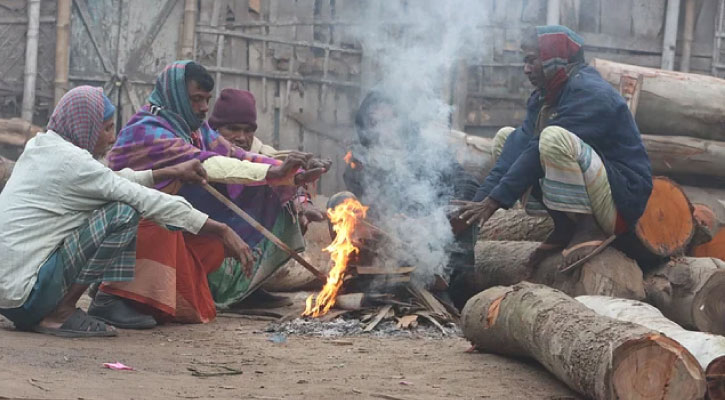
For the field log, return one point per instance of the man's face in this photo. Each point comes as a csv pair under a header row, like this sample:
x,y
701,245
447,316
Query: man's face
x,y
532,66
199,99
105,140
241,135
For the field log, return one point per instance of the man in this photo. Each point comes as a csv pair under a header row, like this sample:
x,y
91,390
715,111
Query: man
x,y
235,117
578,152
68,221
394,171
173,266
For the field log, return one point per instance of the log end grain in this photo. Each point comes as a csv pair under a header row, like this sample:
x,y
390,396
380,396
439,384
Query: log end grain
x,y
667,225
708,305
714,248
655,367
715,376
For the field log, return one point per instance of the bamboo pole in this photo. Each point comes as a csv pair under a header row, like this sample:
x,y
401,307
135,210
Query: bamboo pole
x,y
31,59
266,233
187,37
688,35
669,42
62,48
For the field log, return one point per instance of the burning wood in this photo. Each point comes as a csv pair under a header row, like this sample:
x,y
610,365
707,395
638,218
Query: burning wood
x,y
344,219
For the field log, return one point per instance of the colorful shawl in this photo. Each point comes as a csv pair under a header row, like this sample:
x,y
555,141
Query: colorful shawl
x,y
78,117
170,100
561,53
150,140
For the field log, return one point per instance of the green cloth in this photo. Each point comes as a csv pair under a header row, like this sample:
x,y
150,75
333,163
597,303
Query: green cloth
x,y
229,285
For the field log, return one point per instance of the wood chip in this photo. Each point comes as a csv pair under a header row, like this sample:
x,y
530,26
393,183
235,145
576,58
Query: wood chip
x,y
379,317
427,315
408,322
431,302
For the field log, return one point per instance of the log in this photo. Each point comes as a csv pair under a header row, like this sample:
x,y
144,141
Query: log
x,y
350,301
516,225
690,291
681,156
706,225
599,357
714,248
610,273
16,131
666,227
694,104
6,169
713,198
708,349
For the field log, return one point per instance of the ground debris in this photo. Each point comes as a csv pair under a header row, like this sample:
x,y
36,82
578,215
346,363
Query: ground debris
x,y
340,327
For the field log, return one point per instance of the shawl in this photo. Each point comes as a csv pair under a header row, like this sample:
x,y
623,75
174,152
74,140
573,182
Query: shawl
x,y
78,117
561,54
170,99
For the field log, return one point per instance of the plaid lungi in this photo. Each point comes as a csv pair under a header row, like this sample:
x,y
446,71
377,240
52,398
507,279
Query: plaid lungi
x,y
102,249
575,179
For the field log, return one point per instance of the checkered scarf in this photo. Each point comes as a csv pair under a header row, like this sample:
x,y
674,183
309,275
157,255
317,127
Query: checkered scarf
x,y
170,100
561,53
78,117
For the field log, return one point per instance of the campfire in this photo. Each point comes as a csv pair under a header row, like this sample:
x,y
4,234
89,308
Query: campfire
x,y
361,287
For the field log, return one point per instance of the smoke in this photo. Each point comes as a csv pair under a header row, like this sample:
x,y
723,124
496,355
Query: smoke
x,y
408,165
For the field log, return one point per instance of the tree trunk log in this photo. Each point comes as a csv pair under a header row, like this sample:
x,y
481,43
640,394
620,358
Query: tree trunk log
x,y
714,248
16,131
610,273
708,349
516,225
6,169
690,291
694,105
681,156
599,357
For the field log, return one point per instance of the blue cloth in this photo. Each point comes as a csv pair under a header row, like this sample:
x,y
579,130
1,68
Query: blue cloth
x,y
590,108
108,108
47,292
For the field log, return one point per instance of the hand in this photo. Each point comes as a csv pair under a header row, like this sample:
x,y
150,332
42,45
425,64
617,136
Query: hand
x,y
234,246
319,163
308,214
476,212
308,176
291,164
188,172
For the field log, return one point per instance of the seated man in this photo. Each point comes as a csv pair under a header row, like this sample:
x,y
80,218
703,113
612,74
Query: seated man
x,y
68,221
235,117
578,152
172,266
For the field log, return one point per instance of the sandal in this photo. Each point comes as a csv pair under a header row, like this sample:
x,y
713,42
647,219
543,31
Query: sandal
x,y
79,325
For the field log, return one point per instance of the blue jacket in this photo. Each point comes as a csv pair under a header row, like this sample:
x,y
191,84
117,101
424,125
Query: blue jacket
x,y
590,108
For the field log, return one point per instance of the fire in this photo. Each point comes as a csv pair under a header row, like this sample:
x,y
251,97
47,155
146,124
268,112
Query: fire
x,y
344,218
348,160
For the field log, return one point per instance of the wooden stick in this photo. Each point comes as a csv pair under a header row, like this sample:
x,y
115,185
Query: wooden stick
x,y
269,235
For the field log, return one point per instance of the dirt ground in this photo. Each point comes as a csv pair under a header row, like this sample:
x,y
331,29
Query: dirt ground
x,y
34,366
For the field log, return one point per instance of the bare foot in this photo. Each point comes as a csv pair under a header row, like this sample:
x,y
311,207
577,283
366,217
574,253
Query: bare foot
x,y
587,238
557,240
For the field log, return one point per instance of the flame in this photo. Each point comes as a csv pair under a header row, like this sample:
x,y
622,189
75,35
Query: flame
x,y
344,219
348,160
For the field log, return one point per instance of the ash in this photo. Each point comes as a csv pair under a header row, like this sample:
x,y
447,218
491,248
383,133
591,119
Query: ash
x,y
341,327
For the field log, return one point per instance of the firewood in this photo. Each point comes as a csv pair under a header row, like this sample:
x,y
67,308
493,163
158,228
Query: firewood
x,y
690,291
714,248
706,225
694,104
610,273
708,349
516,225
350,301
16,131
683,156
383,271
382,314
596,356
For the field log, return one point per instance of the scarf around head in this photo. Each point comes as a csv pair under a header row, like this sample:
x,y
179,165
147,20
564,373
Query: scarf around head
x,y
78,117
172,100
561,53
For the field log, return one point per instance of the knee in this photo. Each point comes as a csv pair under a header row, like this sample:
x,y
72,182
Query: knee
x,y
500,139
554,142
122,214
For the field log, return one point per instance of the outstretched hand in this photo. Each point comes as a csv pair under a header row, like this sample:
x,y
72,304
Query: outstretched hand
x,y
476,212
293,162
187,172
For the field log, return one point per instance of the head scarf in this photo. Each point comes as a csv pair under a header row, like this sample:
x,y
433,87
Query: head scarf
x,y
234,106
170,99
561,53
78,117
108,108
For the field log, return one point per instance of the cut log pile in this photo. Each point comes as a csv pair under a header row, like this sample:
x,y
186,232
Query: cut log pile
x,y
599,357
16,131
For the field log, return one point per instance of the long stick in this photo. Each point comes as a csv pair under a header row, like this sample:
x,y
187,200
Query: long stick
x,y
269,235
